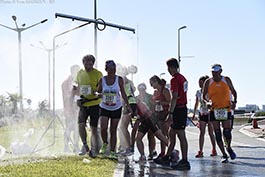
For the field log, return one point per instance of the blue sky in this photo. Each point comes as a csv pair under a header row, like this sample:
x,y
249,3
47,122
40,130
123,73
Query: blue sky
x,y
227,32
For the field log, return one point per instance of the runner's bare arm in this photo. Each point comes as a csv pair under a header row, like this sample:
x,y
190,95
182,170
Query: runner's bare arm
x,y
123,93
167,95
173,101
230,84
100,86
195,107
172,105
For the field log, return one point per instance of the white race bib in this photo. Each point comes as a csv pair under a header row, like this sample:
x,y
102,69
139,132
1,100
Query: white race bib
x,y
109,99
185,86
221,114
158,108
85,90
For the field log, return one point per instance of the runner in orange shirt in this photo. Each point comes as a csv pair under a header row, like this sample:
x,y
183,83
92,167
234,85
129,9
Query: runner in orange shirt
x,y
217,92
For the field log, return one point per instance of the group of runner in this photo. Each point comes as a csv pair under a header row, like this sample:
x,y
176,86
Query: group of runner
x,y
217,99
111,100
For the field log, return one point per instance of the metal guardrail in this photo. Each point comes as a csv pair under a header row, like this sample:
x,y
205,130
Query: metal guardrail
x,y
258,117
249,115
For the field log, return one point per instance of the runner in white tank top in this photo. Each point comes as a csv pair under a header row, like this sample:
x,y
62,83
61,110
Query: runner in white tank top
x,y
111,99
111,87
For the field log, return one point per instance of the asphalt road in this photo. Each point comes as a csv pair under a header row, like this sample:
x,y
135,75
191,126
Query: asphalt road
x,y
250,161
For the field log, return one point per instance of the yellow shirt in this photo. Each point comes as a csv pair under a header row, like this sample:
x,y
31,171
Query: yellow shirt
x,y
88,82
219,93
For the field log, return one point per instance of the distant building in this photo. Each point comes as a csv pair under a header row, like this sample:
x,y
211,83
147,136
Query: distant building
x,y
241,111
263,107
250,108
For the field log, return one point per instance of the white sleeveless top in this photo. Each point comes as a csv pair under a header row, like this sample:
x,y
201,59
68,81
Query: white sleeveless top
x,y
203,107
111,99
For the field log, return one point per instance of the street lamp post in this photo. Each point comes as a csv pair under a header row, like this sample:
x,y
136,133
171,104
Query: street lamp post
x,y
53,105
95,34
183,27
48,50
53,61
19,31
161,74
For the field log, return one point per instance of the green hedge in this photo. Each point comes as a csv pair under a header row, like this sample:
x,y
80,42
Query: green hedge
x,y
260,114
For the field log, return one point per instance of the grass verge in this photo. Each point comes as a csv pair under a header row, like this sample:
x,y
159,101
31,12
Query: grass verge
x,y
48,162
60,166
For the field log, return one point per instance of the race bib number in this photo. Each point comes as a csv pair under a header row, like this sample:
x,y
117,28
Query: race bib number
x,y
158,108
185,86
85,90
109,99
221,114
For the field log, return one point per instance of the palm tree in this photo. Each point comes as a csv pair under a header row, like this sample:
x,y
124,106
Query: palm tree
x,y
14,99
2,105
43,109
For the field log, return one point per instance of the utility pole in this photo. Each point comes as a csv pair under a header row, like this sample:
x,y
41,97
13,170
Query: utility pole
x,y
183,27
49,51
19,31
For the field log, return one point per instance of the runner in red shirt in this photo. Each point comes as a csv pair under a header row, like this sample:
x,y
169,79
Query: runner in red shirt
x,y
178,113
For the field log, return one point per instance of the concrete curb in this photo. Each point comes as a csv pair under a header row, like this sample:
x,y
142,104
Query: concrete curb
x,y
119,170
245,131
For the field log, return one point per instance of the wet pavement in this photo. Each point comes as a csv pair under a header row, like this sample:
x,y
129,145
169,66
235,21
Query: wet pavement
x,y
250,159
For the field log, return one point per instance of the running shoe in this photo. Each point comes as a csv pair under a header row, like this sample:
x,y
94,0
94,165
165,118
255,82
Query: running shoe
x,y
159,156
214,153
182,165
199,155
127,152
163,160
103,148
113,155
92,154
84,150
232,154
224,159
152,155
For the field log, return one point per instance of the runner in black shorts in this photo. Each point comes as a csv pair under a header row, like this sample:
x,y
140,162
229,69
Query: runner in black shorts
x,y
116,114
204,120
89,111
145,117
178,113
179,118
85,85
218,91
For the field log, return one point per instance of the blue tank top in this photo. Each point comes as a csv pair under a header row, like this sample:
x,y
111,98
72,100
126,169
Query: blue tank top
x,y
111,99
